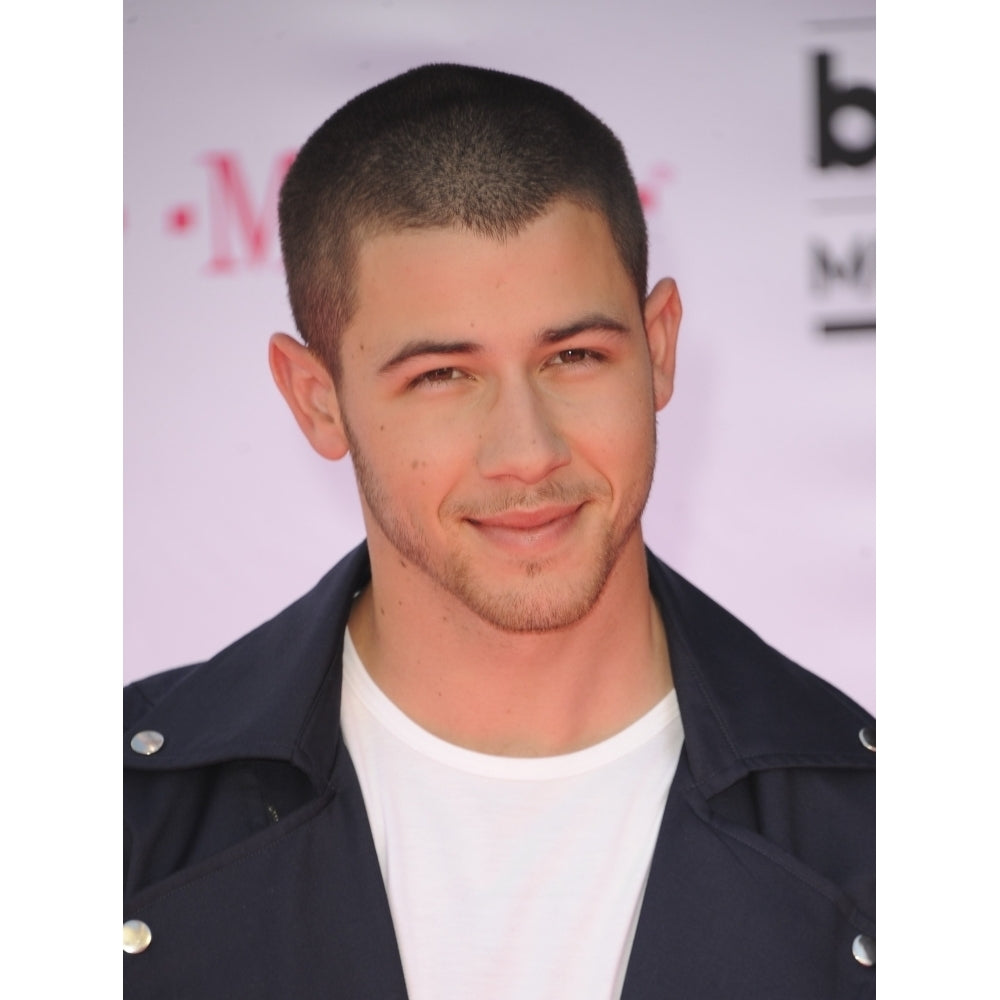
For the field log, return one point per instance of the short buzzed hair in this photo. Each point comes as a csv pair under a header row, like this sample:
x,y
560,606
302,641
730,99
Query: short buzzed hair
x,y
442,146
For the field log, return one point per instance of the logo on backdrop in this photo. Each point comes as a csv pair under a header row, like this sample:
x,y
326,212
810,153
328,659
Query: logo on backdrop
x,y
241,226
832,99
239,223
841,184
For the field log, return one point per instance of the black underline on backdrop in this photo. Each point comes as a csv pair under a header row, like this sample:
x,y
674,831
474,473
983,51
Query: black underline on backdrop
x,y
849,326
842,24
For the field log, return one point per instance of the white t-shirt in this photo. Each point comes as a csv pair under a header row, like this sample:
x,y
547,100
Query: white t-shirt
x,y
509,878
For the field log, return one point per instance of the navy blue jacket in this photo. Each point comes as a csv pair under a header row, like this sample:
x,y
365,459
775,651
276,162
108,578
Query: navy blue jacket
x,y
250,858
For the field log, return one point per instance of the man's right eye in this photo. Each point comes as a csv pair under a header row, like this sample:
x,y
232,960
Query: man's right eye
x,y
438,376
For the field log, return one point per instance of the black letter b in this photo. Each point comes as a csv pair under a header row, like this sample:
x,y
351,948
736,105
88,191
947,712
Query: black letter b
x,y
831,99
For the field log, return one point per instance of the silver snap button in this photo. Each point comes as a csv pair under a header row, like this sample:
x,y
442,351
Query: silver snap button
x,y
147,742
867,737
135,937
863,950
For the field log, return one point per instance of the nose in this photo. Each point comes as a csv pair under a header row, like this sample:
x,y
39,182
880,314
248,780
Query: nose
x,y
519,439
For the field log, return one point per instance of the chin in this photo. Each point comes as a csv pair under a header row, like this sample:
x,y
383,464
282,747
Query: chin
x,y
536,605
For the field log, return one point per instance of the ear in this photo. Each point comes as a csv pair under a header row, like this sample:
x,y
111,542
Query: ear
x,y
310,394
662,319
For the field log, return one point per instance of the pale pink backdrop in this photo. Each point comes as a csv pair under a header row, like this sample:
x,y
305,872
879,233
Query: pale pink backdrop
x,y
764,493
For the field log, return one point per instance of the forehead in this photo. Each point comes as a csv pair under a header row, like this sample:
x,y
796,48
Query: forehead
x,y
559,264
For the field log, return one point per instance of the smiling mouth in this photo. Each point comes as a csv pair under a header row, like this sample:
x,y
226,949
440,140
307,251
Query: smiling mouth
x,y
527,520
531,533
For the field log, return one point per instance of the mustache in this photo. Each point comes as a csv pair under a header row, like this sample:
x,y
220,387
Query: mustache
x,y
553,492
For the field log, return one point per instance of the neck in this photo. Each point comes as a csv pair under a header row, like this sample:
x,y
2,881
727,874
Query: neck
x,y
515,694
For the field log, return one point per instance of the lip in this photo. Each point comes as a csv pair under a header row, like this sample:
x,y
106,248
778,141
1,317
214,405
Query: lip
x,y
536,532
527,520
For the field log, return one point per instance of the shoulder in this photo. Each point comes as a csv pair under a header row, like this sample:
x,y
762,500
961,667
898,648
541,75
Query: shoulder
x,y
228,745
259,687
779,766
758,695
142,694
760,728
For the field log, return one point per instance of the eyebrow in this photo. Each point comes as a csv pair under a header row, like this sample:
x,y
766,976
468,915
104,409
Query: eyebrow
x,y
427,347
593,321
418,348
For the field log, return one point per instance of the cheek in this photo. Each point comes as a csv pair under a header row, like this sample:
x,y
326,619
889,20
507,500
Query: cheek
x,y
626,451
618,430
425,465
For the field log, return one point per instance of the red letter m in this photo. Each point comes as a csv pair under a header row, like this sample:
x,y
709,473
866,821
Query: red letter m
x,y
233,219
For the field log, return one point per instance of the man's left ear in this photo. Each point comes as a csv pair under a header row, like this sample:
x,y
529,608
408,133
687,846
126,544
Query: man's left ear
x,y
662,319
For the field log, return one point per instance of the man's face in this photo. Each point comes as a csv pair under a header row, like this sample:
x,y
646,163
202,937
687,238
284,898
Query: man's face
x,y
499,402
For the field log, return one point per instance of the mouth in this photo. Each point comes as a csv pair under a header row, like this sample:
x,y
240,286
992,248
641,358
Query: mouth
x,y
535,529
527,520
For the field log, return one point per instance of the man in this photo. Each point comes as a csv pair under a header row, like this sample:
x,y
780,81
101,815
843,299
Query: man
x,y
500,750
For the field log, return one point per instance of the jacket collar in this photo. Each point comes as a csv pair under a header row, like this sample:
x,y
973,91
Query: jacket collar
x,y
743,705
273,694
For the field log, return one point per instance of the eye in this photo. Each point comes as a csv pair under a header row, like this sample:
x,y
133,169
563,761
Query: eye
x,y
576,356
438,376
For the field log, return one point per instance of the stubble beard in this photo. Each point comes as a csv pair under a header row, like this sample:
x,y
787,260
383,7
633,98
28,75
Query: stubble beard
x,y
534,604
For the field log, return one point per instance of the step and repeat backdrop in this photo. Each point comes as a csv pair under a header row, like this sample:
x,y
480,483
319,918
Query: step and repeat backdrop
x,y
750,127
